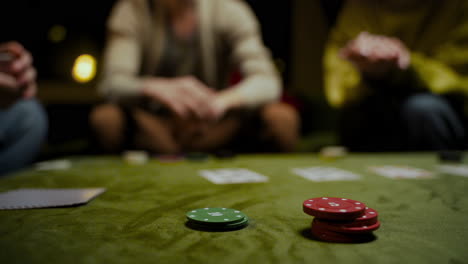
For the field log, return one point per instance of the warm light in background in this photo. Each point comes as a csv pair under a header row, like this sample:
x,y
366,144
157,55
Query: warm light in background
x,y
84,68
57,33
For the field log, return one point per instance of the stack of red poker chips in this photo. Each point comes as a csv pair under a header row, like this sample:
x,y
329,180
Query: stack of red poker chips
x,y
341,220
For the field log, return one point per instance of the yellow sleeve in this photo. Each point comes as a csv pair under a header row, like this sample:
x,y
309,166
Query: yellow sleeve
x,y
343,83
438,76
443,65
439,55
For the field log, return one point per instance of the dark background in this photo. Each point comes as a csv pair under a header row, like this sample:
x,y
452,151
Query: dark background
x,y
68,103
30,21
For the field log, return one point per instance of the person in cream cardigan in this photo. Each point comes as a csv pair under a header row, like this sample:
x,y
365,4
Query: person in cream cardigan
x,y
167,69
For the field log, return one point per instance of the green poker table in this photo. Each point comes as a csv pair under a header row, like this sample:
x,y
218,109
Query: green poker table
x,y
141,218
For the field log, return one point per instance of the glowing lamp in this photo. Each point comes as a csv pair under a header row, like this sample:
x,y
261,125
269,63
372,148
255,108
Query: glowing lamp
x,y
84,68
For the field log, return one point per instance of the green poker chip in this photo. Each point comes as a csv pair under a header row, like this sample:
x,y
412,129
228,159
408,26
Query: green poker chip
x,y
216,216
197,156
226,227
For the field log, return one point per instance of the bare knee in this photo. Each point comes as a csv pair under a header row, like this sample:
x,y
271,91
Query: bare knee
x,y
280,114
108,123
282,123
106,116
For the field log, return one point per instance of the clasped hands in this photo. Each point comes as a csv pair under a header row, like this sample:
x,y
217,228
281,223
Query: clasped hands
x,y
187,98
376,55
17,74
196,108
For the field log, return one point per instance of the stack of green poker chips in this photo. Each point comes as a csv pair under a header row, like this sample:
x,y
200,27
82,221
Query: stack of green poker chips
x,y
217,219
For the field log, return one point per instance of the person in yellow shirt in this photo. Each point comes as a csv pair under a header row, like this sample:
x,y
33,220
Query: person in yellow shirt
x,y
392,66
166,75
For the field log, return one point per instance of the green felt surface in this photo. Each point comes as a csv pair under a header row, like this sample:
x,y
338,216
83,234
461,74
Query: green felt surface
x,y
141,217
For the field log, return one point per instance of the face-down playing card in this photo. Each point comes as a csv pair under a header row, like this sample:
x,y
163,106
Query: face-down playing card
x,y
44,198
320,174
401,172
232,176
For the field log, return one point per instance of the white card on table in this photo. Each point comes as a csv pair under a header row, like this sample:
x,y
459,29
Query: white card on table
x,y
230,176
401,172
325,174
53,165
43,198
457,170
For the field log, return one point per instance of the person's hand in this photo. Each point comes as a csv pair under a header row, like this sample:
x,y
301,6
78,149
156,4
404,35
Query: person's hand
x,y
17,75
186,97
217,108
224,101
376,55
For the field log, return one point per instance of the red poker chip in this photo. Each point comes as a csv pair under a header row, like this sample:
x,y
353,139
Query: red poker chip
x,y
342,228
332,208
330,236
370,217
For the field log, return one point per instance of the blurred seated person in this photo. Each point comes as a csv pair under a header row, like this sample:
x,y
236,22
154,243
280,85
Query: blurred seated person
x,y
23,122
167,69
393,68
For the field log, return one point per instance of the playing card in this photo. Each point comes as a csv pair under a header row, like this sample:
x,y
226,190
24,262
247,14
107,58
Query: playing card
x,y
230,176
401,172
53,165
457,170
319,174
41,198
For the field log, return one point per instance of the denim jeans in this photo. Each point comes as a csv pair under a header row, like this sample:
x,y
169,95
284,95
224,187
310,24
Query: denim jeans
x,y
416,122
23,129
